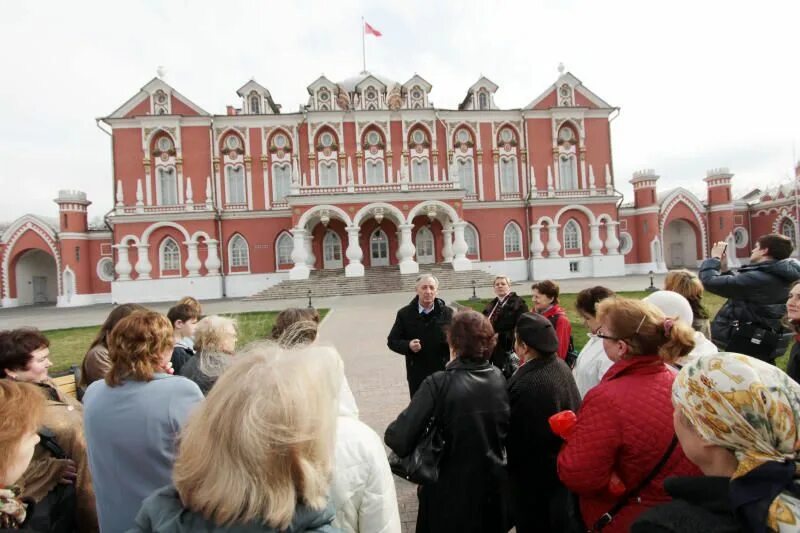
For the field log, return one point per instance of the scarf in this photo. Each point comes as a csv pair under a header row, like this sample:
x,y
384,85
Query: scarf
x,y
753,409
12,509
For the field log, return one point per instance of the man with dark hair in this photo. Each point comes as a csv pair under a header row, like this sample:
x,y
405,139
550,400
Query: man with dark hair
x,y
418,332
184,319
750,321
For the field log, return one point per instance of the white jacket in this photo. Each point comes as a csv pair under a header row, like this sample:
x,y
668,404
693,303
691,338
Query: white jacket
x,y
591,366
362,490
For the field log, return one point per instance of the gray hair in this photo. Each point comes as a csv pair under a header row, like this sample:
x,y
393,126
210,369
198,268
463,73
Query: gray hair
x,y
502,276
423,277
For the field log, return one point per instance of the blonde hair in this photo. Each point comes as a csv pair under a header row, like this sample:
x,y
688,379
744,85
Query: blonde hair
x,y
688,285
135,346
262,442
211,332
502,276
645,329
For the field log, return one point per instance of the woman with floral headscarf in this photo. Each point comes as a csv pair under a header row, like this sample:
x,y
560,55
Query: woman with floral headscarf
x,y
737,419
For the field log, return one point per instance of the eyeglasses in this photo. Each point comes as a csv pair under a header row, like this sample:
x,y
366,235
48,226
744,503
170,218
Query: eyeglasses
x,y
601,335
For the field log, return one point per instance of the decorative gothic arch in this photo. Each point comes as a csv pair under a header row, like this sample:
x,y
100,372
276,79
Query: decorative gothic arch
x,y
150,229
678,196
370,210
332,209
448,209
15,232
576,207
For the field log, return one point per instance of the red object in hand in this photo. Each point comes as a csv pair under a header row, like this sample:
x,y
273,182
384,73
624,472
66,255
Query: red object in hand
x,y
562,423
616,486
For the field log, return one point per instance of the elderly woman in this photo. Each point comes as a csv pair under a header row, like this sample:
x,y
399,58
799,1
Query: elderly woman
x,y
133,417
474,422
737,418
624,427
96,362
542,387
545,302
257,456
677,307
688,285
61,460
503,312
22,407
214,341
592,363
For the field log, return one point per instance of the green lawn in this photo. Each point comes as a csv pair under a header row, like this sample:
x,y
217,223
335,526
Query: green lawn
x,y
579,331
68,346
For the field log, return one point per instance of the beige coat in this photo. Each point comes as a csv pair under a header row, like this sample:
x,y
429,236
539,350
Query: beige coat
x,y
95,365
64,417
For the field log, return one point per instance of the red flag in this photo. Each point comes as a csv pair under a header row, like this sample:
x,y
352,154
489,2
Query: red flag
x,y
372,31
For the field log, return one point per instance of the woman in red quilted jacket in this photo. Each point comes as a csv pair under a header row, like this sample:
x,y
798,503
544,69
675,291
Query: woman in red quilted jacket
x,y
624,426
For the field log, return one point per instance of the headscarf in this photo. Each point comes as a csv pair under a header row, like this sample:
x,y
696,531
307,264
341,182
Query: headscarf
x,y
753,409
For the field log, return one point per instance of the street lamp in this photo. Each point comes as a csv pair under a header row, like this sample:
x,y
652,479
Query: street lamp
x,y
309,300
474,296
651,288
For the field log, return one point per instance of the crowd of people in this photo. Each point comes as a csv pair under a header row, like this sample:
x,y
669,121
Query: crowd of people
x,y
667,420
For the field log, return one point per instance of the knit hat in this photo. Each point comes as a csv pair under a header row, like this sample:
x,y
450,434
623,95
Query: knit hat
x,y
537,332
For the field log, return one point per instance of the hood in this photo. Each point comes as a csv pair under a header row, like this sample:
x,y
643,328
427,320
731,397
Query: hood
x,y
166,513
786,269
347,402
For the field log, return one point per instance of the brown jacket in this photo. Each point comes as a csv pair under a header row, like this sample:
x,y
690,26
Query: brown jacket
x,y
64,417
95,365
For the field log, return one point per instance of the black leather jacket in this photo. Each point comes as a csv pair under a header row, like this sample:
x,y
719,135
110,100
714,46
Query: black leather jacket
x,y
504,320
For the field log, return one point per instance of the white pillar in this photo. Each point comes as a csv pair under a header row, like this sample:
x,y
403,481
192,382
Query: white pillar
x,y
139,197
209,200
406,250
553,246
354,254
447,247
300,269
612,242
311,259
595,244
460,261
120,198
193,260
537,246
123,266
212,261
143,266
189,194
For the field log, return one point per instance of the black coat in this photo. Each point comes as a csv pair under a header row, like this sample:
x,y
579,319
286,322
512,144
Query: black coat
x,y
756,293
504,321
699,505
539,389
430,330
468,496
793,366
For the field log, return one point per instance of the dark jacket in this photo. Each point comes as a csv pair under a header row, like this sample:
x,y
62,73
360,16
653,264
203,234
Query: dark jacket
x,y
699,505
504,320
191,370
539,389
756,293
793,366
180,355
163,512
429,329
474,422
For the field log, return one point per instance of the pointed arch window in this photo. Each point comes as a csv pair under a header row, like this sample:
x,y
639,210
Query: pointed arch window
x,y
170,258
512,239
167,186
255,104
328,174
787,229
239,253
466,174
283,249
483,101
282,179
420,173
568,171
375,172
471,237
572,237
509,184
235,184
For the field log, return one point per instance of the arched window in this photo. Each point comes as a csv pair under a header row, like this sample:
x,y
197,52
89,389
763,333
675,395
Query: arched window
x,y
239,253
572,237
282,179
471,236
170,258
375,173
483,101
235,184
419,171
328,174
255,104
568,171
379,248
425,247
466,174
512,239
167,186
283,250
508,175
787,228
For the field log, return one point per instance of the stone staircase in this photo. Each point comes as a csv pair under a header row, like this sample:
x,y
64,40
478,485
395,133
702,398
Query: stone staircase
x,y
375,280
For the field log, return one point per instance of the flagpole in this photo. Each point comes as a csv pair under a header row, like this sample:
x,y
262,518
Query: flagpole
x,y
363,47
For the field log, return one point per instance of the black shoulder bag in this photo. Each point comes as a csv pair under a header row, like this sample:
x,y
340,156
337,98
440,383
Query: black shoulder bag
x,y
606,519
421,466
572,354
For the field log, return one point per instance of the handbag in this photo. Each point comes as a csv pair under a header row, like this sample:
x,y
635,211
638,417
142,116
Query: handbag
x,y
752,339
606,518
421,466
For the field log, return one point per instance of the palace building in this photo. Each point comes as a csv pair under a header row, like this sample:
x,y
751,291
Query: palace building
x,y
368,173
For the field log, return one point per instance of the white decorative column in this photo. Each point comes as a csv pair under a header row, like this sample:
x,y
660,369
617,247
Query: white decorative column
x,y
120,207
460,261
354,254
189,195
553,246
139,197
550,187
209,199
212,261
612,242
447,247
595,244
143,266
406,250
537,246
193,260
300,269
123,266
592,186
311,259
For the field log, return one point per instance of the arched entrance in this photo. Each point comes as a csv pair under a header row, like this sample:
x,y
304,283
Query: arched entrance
x,y
425,247
332,250
37,278
680,244
379,248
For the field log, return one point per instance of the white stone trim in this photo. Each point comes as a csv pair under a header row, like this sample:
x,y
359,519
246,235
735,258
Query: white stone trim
x,y
14,233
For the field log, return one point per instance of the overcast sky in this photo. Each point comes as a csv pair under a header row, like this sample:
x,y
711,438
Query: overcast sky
x,y
700,83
